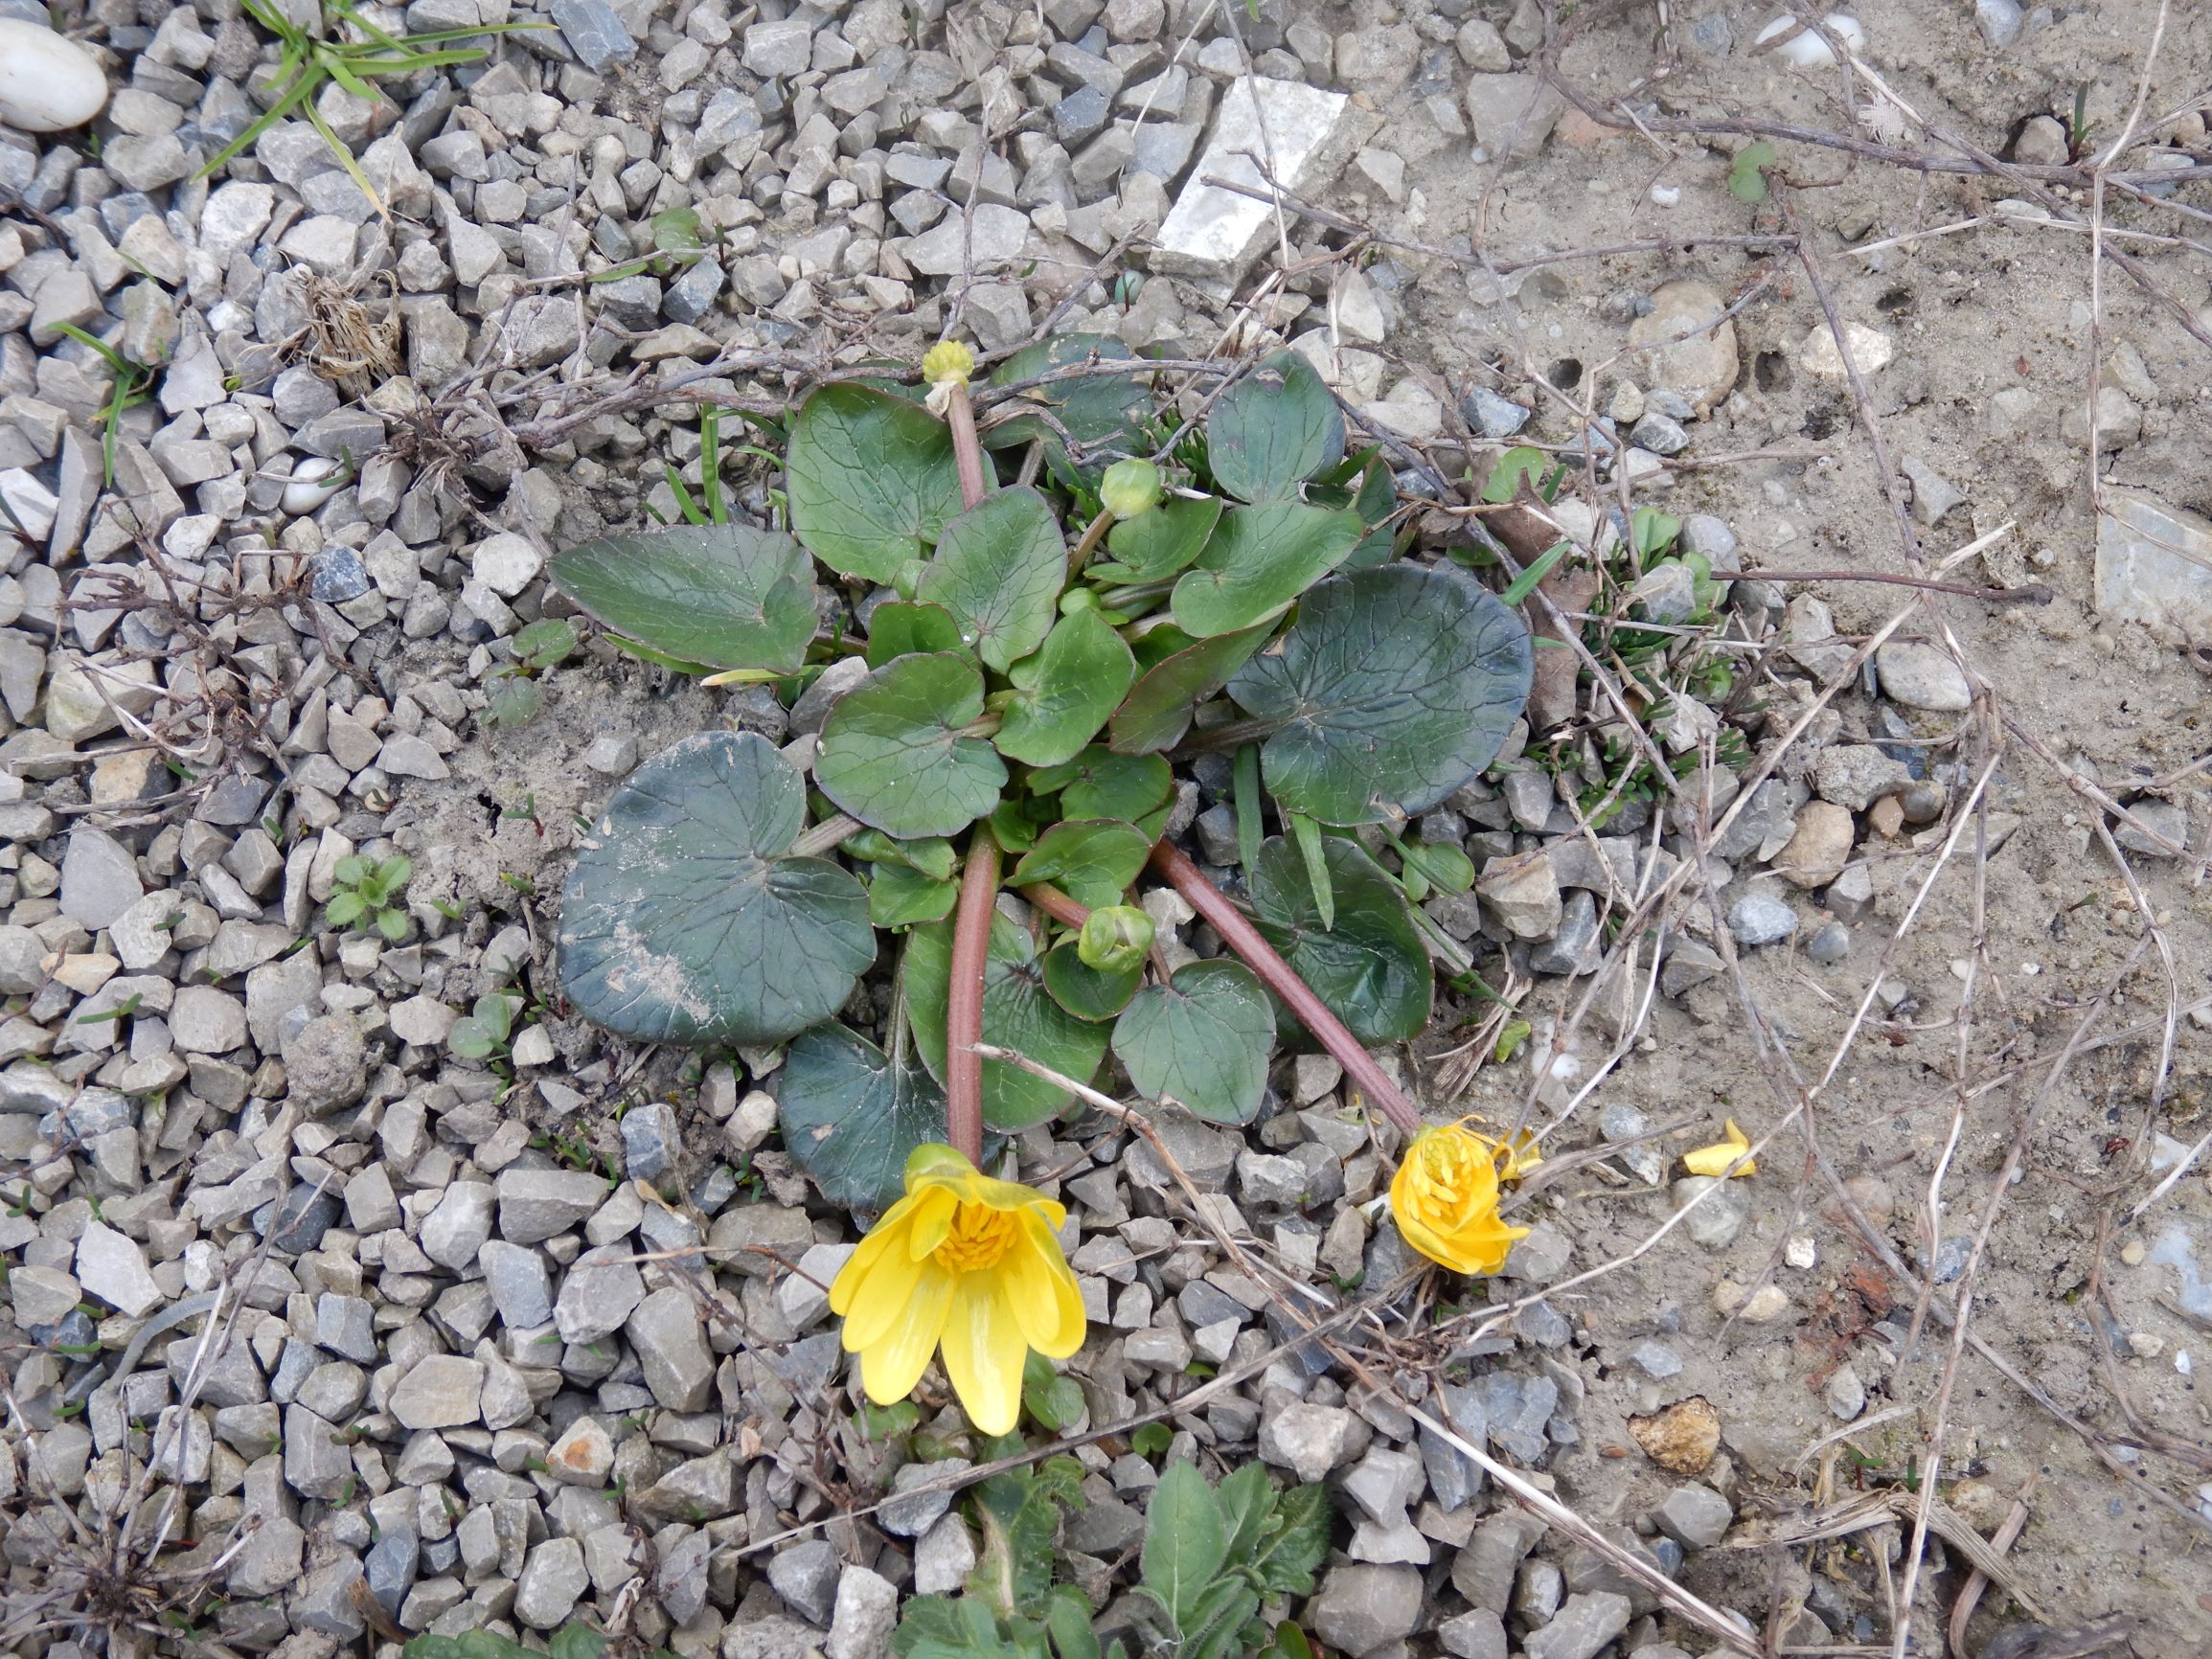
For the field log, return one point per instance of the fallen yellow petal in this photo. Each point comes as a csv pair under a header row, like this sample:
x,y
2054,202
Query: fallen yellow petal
x,y
1715,1160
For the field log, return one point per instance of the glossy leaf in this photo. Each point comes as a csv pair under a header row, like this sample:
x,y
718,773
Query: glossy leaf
x,y
1017,1013
896,628
900,895
1273,429
1092,861
1203,1039
1063,693
1155,545
1157,712
1138,789
872,479
726,594
999,569
893,754
1101,412
1393,687
1089,994
1055,1401
850,1117
931,854
685,920
1259,560
1371,968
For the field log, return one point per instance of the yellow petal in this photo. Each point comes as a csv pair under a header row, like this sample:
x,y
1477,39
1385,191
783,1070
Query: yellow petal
x,y
888,1235
984,1352
893,1364
934,1207
1046,1298
1714,1160
880,1297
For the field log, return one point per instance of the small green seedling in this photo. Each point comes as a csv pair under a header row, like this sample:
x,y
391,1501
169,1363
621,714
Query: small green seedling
x,y
482,1033
1747,176
132,385
677,240
539,649
367,893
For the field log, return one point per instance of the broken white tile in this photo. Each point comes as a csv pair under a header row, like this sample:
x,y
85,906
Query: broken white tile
x,y
1214,233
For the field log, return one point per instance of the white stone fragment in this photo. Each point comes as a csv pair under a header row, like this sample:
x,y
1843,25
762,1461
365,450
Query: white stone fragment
x,y
1214,233
47,83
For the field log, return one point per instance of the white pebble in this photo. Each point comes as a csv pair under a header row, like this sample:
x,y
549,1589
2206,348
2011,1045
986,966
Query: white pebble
x,y
47,83
1805,48
1666,194
312,481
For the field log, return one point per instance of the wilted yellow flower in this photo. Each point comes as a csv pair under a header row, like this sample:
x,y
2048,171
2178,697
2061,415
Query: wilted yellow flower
x,y
947,360
1445,1199
1714,1160
970,1262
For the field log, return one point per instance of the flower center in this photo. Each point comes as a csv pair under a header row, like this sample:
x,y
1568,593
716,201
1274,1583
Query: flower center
x,y
980,1235
1448,1182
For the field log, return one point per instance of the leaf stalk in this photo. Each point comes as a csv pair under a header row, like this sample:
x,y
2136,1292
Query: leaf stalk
x,y
964,997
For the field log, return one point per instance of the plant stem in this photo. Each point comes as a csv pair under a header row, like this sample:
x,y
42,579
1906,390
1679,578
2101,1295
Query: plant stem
x,y
1092,535
1055,903
967,447
829,834
1279,977
964,997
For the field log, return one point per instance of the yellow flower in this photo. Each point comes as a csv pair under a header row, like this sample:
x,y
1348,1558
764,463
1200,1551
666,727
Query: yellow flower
x,y
970,1262
947,360
1714,1160
1444,1198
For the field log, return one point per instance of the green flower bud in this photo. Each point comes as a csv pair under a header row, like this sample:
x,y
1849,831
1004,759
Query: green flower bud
x,y
1130,487
908,578
1114,939
1077,599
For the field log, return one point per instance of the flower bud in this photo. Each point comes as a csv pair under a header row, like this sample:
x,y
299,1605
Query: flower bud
x,y
947,360
907,579
1130,487
1114,939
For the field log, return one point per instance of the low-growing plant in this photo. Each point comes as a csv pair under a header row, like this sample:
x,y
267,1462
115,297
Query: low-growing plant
x,y
1025,696
484,1032
131,386
1211,1557
367,893
539,648
572,1641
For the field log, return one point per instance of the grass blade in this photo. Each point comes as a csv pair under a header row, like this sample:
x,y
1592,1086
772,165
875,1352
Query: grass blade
x,y
1526,582
1250,830
710,464
1307,833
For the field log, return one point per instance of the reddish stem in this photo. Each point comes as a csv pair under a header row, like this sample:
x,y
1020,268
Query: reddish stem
x,y
1281,978
964,997
967,447
1055,903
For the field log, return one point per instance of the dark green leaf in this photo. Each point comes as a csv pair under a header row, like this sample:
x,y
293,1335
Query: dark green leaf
x,y
1247,1500
999,569
1086,991
547,643
931,854
1202,1039
900,895
1216,1626
683,921
469,1040
1290,1642
345,909
1063,693
1138,789
575,1641
1155,545
1093,861
1067,1616
495,1013
1442,865
1251,826
1019,1511
1393,687
1055,1401
1371,968
1153,1439
1019,1013
726,595
1273,429
893,753
1305,834
1295,1542
1515,465
897,629
1157,712
872,479
850,1117
1375,501
949,1628
515,701
1101,413
1184,1539
1260,559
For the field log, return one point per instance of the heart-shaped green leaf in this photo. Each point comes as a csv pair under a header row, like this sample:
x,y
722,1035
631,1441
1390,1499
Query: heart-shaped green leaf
x,y
726,594
1138,789
1157,712
1064,692
931,854
1089,992
683,921
894,753
1371,968
898,629
1155,545
1092,861
850,1116
900,895
872,479
1203,1038
1394,686
1019,1013
1101,413
1259,560
999,569
1273,429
